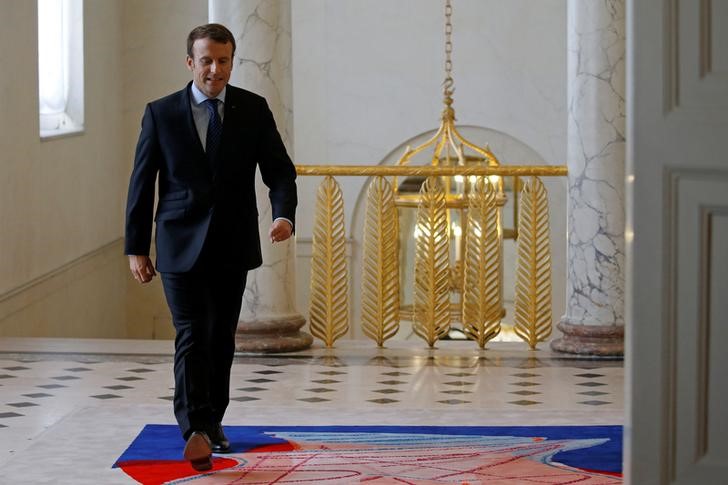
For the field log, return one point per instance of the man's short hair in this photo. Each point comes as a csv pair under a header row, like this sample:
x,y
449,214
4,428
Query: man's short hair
x,y
217,32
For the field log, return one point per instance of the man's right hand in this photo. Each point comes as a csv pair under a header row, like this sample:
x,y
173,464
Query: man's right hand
x,y
141,268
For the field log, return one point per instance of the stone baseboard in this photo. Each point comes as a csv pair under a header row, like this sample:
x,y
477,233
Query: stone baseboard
x,y
597,340
272,335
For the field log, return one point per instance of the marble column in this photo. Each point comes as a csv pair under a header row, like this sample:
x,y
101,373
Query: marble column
x,y
594,319
269,321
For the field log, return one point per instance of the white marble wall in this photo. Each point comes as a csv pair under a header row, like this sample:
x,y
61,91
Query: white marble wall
x,y
262,30
596,152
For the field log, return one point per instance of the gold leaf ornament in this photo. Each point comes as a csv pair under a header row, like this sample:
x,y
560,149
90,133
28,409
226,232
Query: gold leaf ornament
x,y
380,268
532,320
482,295
329,301
432,264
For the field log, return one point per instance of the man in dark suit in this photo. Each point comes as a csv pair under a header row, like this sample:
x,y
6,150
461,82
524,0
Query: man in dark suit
x,y
203,143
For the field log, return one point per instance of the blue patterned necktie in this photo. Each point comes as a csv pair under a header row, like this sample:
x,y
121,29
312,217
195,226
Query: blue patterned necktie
x,y
214,130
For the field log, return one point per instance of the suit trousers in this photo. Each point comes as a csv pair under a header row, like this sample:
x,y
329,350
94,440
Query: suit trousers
x,y
205,305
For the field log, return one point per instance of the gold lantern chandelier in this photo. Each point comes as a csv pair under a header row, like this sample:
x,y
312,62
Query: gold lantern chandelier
x,y
469,218
458,241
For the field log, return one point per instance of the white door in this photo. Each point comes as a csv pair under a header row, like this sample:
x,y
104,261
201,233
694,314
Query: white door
x,y
677,242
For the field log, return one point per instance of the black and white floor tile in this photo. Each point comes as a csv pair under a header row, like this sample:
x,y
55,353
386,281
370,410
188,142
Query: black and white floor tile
x,y
91,386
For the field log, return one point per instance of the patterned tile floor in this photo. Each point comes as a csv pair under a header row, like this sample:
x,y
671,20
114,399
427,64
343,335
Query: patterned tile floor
x,y
52,386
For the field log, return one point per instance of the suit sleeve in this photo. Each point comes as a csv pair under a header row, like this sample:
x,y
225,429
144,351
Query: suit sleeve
x,y
140,198
277,169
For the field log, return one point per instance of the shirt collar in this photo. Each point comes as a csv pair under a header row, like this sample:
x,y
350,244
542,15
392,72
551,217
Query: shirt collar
x,y
199,97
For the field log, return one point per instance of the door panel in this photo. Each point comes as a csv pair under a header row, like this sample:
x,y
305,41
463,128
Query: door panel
x,y
677,242
698,218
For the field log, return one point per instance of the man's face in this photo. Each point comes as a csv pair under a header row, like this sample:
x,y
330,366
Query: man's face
x,y
211,65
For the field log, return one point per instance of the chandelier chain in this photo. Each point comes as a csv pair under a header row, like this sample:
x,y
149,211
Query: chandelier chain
x,y
449,82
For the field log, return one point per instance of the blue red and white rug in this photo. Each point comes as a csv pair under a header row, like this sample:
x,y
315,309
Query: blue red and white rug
x,y
386,455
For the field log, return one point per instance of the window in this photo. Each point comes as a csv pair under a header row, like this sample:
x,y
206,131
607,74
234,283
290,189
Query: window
x,y
60,66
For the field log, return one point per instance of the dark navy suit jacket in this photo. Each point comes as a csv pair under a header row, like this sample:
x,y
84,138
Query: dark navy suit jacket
x,y
193,190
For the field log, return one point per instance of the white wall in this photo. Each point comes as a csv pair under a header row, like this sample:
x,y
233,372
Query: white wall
x,y
62,271
60,199
367,76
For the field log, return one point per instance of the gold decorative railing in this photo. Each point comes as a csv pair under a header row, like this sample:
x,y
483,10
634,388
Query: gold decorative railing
x,y
478,274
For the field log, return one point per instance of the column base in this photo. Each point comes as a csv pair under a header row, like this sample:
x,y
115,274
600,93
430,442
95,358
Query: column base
x,y
597,340
272,336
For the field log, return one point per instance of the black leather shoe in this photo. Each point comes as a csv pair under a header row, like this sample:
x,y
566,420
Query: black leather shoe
x,y
198,451
220,443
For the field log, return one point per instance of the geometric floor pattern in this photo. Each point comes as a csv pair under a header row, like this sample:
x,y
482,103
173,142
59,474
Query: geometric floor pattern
x,y
44,382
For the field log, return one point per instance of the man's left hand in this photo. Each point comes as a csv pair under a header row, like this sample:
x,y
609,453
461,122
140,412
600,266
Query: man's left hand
x,y
280,230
